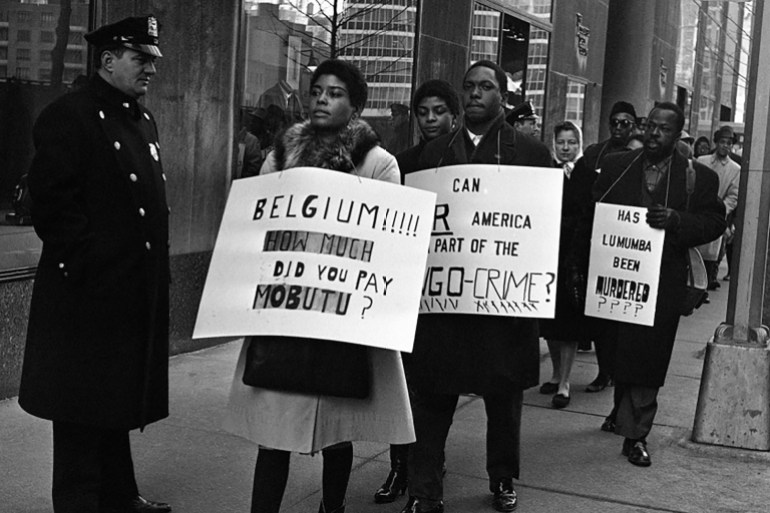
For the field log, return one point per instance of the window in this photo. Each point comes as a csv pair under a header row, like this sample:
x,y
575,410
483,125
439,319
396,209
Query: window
x,y
284,44
576,97
27,57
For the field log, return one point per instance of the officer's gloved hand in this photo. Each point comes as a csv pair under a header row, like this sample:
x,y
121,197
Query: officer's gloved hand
x,y
576,288
659,216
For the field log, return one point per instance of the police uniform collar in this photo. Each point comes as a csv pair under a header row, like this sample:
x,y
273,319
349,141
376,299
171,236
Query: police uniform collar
x,y
115,96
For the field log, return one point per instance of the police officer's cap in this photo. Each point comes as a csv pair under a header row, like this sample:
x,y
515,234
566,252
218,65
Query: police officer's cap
x,y
521,112
140,34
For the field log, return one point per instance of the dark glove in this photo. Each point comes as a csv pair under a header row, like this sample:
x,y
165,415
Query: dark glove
x,y
659,216
576,288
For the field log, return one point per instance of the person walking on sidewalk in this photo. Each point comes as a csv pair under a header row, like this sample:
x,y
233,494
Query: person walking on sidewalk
x,y
569,325
282,422
622,128
96,359
436,107
493,356
654,177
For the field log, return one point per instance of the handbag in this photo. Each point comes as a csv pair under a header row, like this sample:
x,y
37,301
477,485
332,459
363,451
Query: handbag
x,y
308,366
697,281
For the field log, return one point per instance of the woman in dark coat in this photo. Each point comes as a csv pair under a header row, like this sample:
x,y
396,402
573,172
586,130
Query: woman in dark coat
x,y
569,325
436,107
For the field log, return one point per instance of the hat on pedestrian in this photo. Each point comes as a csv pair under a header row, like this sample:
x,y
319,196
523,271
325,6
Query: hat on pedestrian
x,y
521,112
725,132
622,106
687,138
138,33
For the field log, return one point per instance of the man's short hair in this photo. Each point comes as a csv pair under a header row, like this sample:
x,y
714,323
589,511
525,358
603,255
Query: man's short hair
x,y
675,109
346,71
500,76
440,89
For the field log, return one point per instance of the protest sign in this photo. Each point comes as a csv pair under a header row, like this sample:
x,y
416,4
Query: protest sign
x,y
624,265
495,240
317,253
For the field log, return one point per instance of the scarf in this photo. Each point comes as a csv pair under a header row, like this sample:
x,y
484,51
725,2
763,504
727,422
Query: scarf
x,y
301,145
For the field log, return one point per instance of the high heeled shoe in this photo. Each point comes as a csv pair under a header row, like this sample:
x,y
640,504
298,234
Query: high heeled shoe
x,y
393,487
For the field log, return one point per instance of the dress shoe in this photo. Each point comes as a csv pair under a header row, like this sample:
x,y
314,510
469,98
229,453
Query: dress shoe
x,y
608,425
505,498
638,455
549,388
600,383
627,444
393,487
139,505
414,505
559,401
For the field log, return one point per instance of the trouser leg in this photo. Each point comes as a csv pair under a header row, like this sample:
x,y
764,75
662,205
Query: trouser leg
x,y
76,468
338,461
604,341
503,434
118,483
270,476
432,415
636,411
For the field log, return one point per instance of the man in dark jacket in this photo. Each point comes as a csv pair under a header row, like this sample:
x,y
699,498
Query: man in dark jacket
x,y
493,356
655,177
96,359
622,127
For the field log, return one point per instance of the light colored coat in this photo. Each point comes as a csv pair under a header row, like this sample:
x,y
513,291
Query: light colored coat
x,y
308,423
729,173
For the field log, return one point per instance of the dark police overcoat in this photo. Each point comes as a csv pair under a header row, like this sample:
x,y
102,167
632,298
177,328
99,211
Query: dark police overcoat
x,y
643,353
461,353
97,341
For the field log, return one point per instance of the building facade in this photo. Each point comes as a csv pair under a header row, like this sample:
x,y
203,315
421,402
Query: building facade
x,y
236,64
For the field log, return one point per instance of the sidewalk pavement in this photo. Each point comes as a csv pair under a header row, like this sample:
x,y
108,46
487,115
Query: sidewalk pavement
x,y
568,464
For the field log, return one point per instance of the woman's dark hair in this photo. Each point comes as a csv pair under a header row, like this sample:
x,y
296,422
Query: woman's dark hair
x,y
358,90
702,139
500,76
440,89
566,125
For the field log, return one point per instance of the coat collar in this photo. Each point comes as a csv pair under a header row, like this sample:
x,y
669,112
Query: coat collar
x,y
300,145
113,96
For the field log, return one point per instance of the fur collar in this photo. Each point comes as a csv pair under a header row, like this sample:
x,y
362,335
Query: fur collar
x,y
300,146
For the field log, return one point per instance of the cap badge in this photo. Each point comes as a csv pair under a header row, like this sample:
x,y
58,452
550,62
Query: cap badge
x,y
152,27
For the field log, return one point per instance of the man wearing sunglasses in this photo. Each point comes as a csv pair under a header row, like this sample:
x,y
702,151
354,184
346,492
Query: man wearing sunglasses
x,y
622,127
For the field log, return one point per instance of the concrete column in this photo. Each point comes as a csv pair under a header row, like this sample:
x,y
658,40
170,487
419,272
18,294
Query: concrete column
x,y
734,400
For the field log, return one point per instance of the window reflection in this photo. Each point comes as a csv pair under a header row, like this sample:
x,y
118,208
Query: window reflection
x,y
285,40
42,51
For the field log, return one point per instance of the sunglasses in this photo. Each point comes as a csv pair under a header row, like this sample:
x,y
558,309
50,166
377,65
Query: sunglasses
x,y
623,123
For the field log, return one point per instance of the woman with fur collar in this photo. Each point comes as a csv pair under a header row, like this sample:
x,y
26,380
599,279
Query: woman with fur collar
x,y
282,422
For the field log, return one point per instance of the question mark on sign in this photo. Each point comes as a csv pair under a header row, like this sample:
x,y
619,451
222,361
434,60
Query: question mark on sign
x,y
638,307
548,285
367,306
628,303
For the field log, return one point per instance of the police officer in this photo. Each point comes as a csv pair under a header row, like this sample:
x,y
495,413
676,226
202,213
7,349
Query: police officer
x,y
96,359
524,119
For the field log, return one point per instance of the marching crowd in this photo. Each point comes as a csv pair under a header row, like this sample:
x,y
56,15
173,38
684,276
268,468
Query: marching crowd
x,y
96,354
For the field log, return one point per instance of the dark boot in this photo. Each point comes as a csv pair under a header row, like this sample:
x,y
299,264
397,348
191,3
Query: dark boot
x,y
396,482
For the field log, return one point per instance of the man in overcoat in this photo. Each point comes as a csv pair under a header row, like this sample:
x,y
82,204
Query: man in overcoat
x,y
96,360
622,126
495,357
655,177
